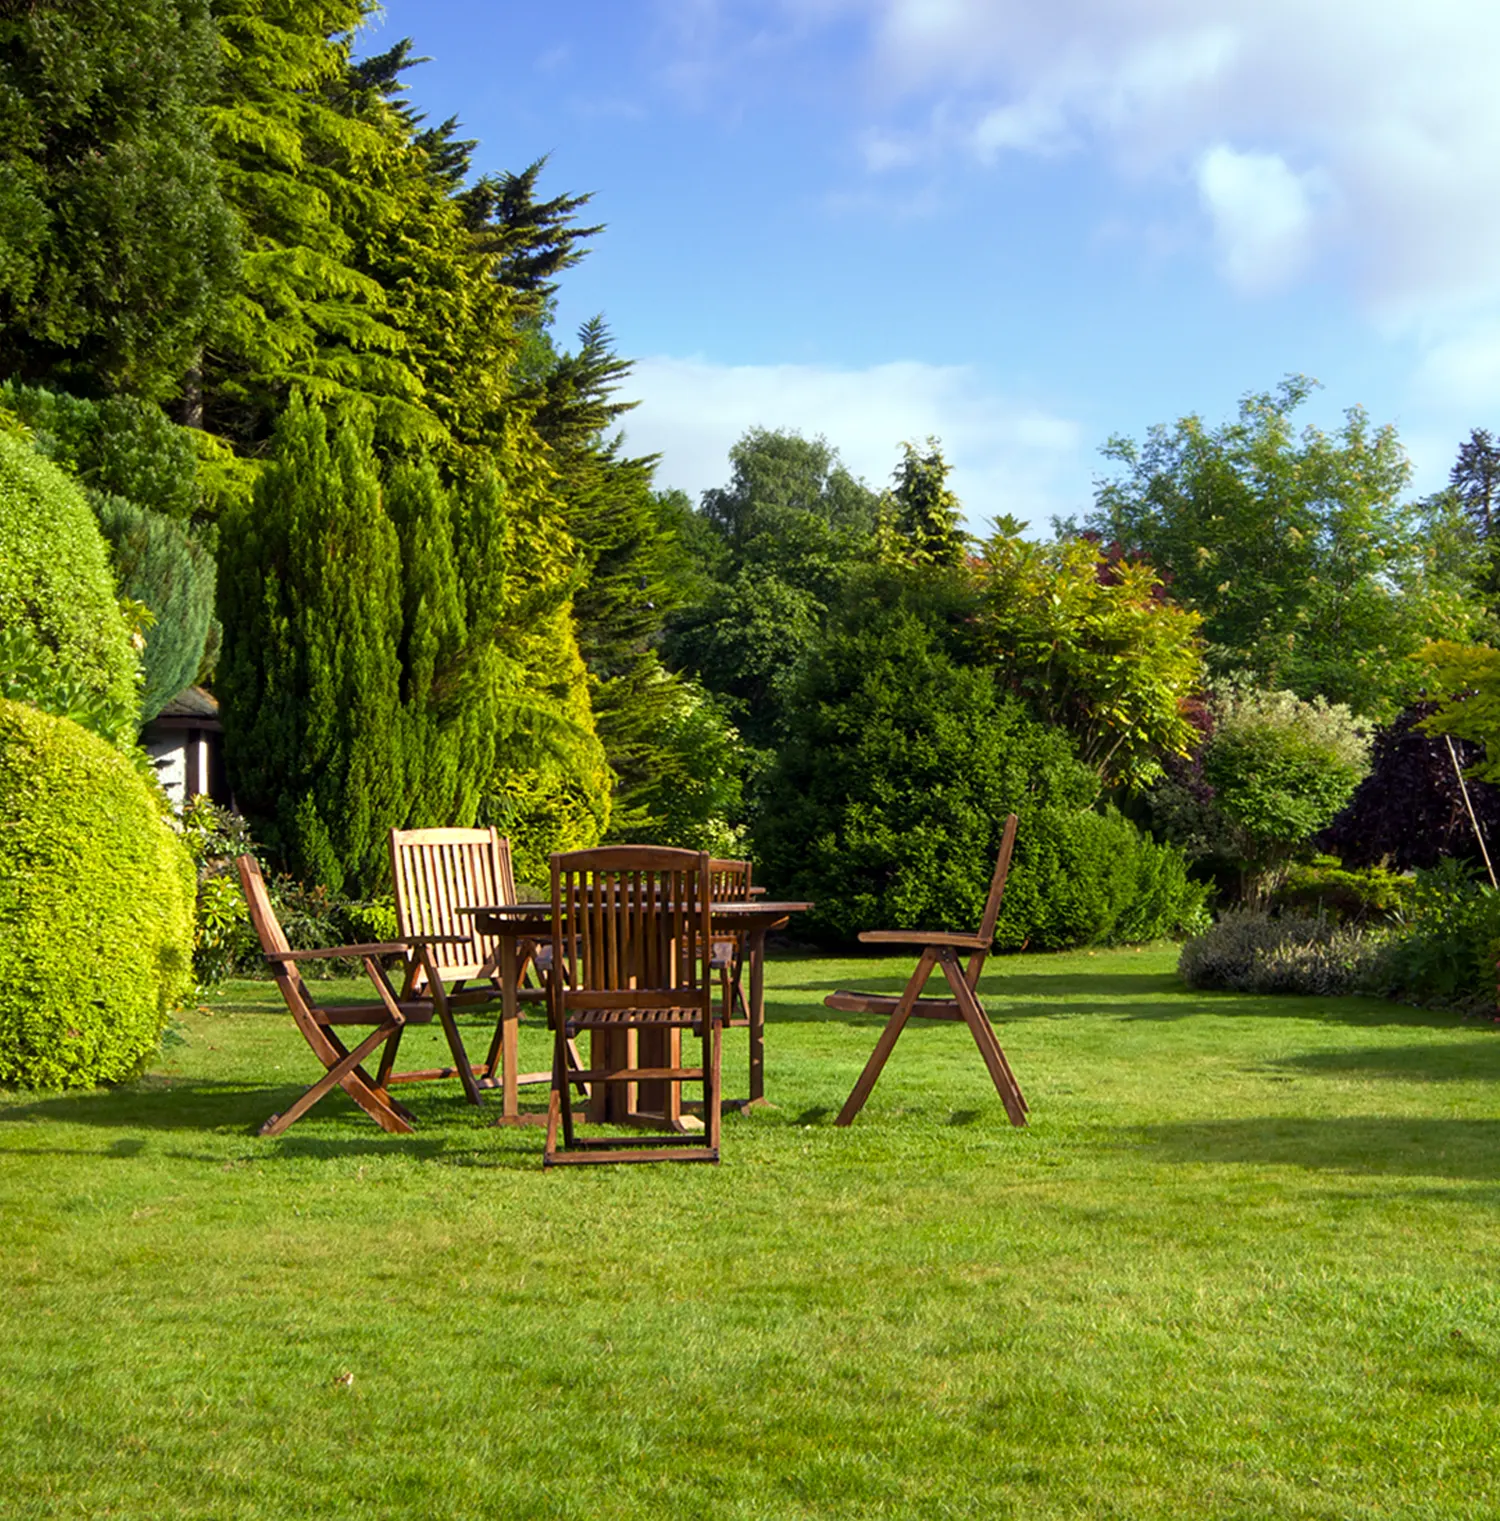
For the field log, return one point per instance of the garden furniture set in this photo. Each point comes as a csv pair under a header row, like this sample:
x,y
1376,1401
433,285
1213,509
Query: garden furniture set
x,y
639,948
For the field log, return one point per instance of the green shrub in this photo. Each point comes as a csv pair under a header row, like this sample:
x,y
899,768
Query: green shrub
x,y
1280,769
96,907
1250,951
886,804
1446,950
119,446
1324,888
1085,878
57,589
225,943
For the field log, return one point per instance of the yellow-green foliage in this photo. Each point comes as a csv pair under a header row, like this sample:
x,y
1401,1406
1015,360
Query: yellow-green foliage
x,y
96,907
55,580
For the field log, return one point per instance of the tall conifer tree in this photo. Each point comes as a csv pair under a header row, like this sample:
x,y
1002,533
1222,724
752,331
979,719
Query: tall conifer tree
x,y
310,673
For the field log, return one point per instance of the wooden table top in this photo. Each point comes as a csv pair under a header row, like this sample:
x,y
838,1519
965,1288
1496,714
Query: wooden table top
x,y
743,910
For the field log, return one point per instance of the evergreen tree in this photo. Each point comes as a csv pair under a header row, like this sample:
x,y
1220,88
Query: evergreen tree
x,y
310,674
116,248
1476,478
919,515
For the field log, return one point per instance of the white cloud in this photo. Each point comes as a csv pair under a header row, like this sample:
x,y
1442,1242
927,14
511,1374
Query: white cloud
x,y
1390,110
1263,216
1007,457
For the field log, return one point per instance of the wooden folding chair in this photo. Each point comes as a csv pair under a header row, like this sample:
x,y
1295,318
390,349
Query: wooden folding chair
x,y
388,1016
729,882
437,874
631,933
940,949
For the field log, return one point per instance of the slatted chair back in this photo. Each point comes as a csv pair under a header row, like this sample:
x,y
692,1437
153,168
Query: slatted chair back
x,y
439,872
729,881
630,926
631,934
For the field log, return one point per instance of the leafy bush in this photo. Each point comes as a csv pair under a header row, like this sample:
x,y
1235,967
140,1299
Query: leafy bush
x,y
1324,888
119,446
57,590
1250,951
1271,773
1446,951
1084,878
886,804
96,905
225,943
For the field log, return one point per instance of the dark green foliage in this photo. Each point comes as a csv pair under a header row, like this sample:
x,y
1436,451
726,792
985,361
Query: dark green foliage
x,y
1409,811
119,445
777,546
1449,944
162,564
141,474
449,718
57,596
886,803
116,248
310,599
96,908
1475,477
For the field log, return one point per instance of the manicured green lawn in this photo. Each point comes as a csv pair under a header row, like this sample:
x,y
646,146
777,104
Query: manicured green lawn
x,y
1243,1263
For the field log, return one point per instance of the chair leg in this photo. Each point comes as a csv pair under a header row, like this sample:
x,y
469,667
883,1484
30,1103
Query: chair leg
x,y
713,1047
345,1073
987,1041
888,1037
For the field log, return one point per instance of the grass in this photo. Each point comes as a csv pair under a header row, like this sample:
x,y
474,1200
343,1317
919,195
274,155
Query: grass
x,y
1241,1264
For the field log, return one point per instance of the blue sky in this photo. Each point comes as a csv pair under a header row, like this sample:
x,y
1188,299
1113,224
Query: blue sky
x,y
1021,227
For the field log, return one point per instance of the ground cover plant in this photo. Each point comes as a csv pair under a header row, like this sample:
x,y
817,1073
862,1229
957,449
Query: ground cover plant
x,y
1241,1263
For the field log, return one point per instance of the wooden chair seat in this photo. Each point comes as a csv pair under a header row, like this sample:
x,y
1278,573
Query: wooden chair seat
x,y
939,950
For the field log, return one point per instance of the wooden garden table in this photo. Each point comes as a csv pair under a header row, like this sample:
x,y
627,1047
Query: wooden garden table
x,y
512,923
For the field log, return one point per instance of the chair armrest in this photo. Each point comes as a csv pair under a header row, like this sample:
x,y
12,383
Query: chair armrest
x,y
347,952
438,940
951,938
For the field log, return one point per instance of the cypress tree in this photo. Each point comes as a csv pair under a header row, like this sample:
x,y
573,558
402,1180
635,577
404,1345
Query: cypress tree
x,y
310,600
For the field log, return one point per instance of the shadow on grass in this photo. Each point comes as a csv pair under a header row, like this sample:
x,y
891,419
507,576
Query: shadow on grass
x,y
1152,996
216,1105
1374,1145
1476,1060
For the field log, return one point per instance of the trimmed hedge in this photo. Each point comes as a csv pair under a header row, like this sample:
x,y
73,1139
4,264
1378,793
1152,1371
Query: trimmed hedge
x,y
96,907
55,580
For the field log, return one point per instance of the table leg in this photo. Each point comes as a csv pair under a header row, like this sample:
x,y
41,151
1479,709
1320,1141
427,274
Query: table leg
x,y
755,954
510,1040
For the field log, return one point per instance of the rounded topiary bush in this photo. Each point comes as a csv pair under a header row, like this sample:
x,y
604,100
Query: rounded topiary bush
x,y
96,907
56,586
